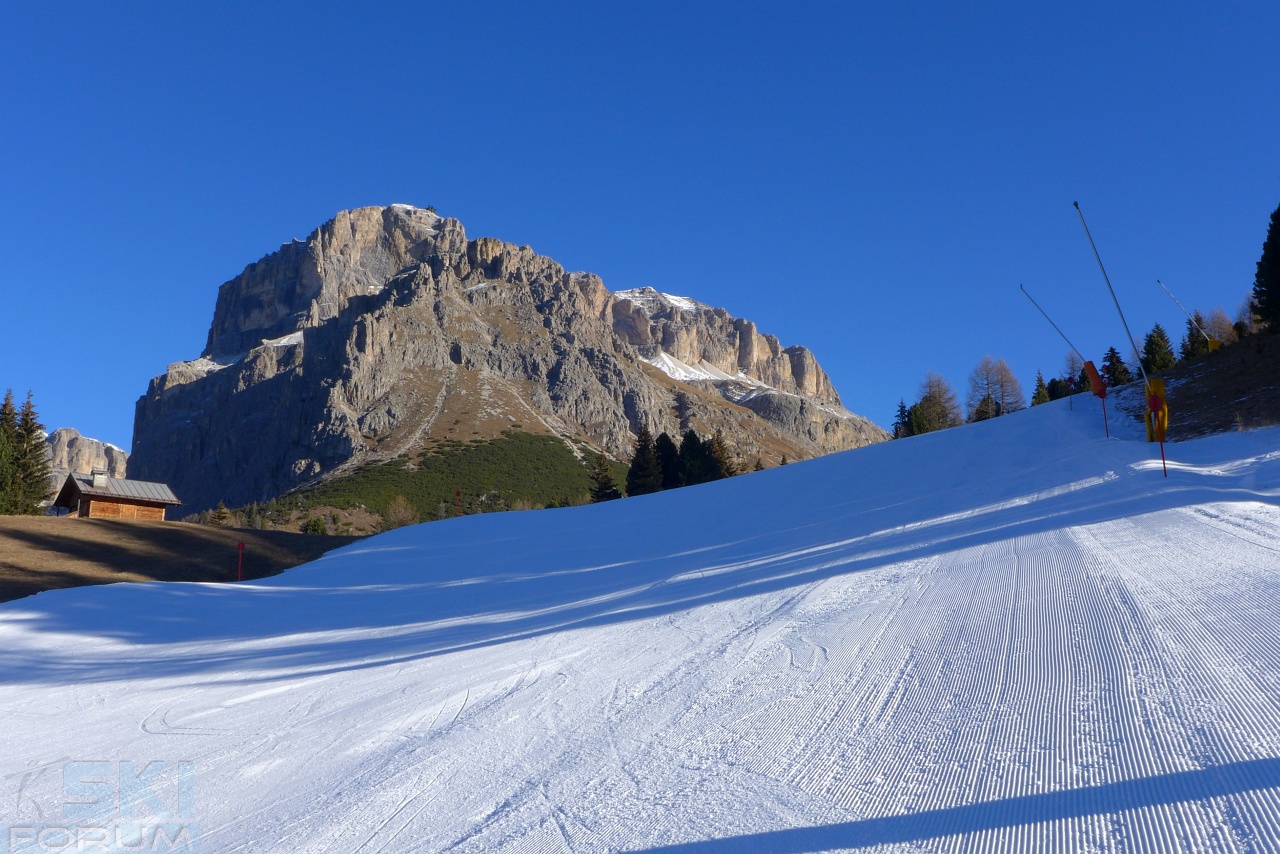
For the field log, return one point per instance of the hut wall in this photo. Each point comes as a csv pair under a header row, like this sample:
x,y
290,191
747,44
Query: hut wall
x,y
105,508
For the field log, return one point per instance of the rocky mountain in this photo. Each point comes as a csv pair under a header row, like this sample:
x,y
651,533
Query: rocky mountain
x,y
71,452
388,328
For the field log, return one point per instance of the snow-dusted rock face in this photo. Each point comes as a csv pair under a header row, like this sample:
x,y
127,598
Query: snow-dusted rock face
x,y
696,334
71,452
387,327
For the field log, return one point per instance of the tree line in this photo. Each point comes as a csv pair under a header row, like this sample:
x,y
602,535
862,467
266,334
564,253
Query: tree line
x,y
994,391
24,459
658,464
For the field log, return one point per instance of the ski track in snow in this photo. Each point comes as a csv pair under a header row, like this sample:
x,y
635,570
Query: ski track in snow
x,y
904,648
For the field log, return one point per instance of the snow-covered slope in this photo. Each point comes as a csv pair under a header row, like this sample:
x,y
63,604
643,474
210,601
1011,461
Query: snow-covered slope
x,y
1010,636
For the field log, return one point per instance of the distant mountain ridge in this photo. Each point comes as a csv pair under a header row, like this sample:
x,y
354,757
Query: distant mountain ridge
x,y
388,327
71,452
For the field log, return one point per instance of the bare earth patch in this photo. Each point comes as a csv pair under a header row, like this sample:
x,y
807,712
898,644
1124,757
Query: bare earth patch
x,y
45,553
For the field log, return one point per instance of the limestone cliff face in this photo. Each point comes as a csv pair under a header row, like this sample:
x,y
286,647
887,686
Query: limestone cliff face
x,y
71,452
388,326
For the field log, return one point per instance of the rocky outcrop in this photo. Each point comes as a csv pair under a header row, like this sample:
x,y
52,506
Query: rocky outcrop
x,y
71,452
388,327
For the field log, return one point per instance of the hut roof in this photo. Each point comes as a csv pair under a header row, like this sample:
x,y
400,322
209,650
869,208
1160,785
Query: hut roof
x,y
119,487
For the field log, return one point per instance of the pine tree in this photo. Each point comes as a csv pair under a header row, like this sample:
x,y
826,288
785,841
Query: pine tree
x,y
1114,370
1194,343
1041,394
8,447
645,474
696,463
759,466
721,457
668,461
1157,352
220,516
902,423
603,487
1266,283
937,408
31,471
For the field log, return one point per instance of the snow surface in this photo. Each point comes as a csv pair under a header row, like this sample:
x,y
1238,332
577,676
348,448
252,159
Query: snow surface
x,y
653,301
1011,636
703,370
284,340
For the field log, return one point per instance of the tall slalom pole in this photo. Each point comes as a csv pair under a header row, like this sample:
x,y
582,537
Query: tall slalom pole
x,y
1146,381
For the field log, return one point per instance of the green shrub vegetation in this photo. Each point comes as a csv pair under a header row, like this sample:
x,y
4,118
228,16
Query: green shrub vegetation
x,y
514,471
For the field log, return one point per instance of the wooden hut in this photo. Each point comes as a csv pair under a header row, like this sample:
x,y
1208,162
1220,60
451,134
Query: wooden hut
x,y
97,496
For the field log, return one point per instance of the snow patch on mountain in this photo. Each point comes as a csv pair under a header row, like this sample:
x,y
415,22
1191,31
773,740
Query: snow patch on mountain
x,y
652,301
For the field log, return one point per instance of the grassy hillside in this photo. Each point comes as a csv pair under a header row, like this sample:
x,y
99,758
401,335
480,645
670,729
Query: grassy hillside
x,y
514,471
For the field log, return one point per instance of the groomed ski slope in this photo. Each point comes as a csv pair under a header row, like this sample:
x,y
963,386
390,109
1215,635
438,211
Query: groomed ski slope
x,y
1011,636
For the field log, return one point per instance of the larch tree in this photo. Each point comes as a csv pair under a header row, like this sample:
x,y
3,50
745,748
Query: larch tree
x,y
993,390
1220,326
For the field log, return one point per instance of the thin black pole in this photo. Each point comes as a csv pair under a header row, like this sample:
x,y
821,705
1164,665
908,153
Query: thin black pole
x,y
1145,380
1051,323
1190,319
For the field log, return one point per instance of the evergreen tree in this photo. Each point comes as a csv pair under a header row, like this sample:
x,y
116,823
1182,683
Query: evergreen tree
x,y
24,471
937,408
1157,352
759,466
645,474
220,515
696,463
902,423
8,451
1266,283
721,457
31,471
1194,343
668,461
1114,370
1041,394
603,487
1058,388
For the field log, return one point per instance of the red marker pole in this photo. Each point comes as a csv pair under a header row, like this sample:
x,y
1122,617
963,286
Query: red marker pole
x,y
240,563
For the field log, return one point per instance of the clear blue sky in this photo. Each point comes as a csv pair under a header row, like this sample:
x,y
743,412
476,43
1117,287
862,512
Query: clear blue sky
x,y
870,180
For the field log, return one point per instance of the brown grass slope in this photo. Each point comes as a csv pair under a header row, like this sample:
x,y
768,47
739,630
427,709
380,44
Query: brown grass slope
x,y
44,553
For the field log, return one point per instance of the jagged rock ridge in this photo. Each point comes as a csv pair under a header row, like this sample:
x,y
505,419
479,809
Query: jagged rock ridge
x,y
71,452
387,327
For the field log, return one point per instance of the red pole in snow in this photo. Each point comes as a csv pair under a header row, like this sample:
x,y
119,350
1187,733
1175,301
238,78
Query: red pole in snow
x,y
458,512
240,563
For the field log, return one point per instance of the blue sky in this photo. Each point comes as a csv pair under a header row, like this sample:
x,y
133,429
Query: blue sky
x,y
870,181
